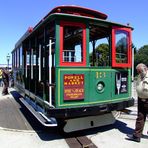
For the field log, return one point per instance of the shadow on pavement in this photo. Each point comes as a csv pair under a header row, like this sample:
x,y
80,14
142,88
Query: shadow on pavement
x,y
45,133
52,133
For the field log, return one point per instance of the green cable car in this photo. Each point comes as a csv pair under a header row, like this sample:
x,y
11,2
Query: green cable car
x,y
74,67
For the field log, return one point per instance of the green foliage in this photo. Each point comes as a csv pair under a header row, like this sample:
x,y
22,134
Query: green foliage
x,y
141,56
101,55
103,50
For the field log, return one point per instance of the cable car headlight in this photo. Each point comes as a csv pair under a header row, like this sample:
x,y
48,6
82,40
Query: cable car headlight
x,y
100,86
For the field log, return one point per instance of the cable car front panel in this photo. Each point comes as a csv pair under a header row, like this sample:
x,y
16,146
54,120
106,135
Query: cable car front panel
x,y
85,75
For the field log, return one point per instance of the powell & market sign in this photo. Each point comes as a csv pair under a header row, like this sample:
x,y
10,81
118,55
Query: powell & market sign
x,y
73,86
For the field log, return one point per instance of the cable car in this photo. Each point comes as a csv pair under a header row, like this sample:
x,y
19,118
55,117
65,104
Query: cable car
x,y
74,67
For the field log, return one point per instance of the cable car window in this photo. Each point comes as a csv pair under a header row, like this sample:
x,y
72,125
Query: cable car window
x,y
99,47
72,51
28,58
21,58
15,58
73,43
27,62
121,46
18,57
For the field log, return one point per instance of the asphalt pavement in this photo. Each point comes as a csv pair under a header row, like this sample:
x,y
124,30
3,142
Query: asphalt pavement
x,y
18,131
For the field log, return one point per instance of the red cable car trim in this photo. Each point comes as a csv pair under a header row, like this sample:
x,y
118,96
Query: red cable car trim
x,y
129,52
83,63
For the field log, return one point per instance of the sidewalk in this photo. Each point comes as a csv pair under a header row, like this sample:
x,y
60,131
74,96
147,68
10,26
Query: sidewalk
x,y
116,137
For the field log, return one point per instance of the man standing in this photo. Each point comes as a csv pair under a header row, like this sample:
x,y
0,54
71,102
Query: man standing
x,y
142,92
5,77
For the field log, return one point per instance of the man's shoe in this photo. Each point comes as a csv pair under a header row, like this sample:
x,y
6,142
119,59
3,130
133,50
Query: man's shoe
x,y
133,138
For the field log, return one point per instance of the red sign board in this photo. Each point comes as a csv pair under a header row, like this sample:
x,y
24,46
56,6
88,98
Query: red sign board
x,y
73,86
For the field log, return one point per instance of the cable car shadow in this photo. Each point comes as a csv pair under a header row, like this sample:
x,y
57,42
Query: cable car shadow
x,y
52,133
45,133
119,125
122,127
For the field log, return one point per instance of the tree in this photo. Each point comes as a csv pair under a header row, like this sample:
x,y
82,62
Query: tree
x,y
103,53
141,56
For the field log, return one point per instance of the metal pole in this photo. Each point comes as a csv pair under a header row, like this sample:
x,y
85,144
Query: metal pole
x,y
50,65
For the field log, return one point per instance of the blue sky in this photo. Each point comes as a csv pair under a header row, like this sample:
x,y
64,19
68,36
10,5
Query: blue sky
x,y
16,16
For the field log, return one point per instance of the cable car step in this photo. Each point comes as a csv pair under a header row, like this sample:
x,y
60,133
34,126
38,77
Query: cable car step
x,y
48,122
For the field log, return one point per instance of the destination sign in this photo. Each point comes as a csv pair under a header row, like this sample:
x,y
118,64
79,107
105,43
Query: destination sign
x,y
73,86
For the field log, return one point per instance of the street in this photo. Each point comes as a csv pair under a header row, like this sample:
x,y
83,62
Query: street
x,y
19,129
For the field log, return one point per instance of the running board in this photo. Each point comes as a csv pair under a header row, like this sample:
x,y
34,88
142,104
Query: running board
x,y
48,122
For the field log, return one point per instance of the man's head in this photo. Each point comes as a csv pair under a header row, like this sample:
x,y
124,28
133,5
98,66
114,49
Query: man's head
x,y
141,69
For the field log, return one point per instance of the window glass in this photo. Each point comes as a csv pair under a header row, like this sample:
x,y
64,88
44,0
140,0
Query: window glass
x,y
28,58
121,46
21,60
18,57
15,59
72,40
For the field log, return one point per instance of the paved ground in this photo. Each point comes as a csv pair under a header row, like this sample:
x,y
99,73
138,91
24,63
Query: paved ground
x,y
11,114
19,131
